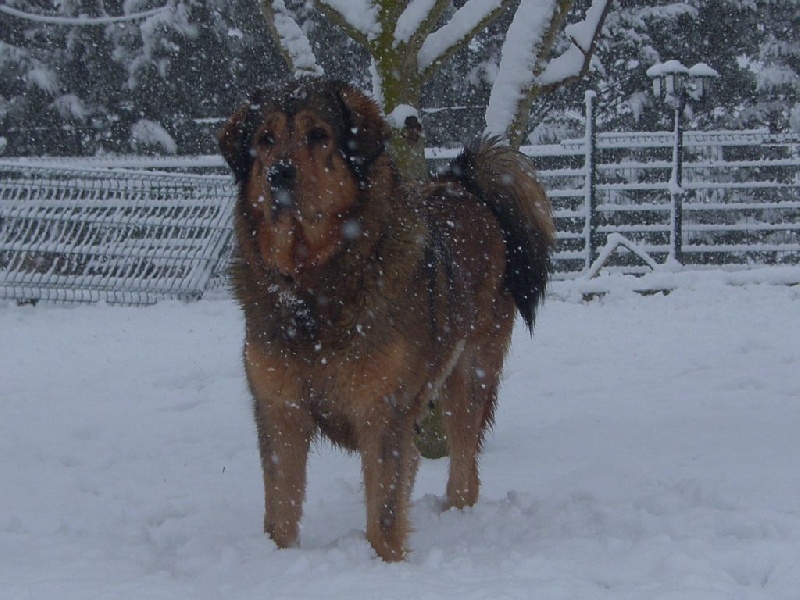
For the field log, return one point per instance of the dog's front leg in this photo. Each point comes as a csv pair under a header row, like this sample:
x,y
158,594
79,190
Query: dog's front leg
x,y
285,428
389,459
284,436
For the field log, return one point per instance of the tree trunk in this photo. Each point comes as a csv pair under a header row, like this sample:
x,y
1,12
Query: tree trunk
x,y
408,149
401,86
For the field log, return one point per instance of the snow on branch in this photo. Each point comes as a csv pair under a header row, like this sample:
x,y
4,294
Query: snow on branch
x,y
473,16
574,63
524,74
417,20
584,33
291,40
518,63
359,18
57,20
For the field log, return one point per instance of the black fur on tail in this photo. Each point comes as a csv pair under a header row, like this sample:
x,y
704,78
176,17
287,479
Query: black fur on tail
x,y
506,181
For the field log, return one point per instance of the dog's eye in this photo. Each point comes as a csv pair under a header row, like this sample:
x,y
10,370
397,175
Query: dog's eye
x,y
266,139
318,136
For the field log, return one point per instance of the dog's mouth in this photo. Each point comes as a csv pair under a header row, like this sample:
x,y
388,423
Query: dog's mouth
x,y
289,240
283,243
283,202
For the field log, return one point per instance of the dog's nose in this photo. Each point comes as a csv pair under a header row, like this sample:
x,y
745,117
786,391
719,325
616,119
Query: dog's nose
x,y
282,176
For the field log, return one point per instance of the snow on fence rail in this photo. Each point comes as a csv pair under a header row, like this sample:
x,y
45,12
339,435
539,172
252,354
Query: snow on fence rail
x,y
87,229
129,237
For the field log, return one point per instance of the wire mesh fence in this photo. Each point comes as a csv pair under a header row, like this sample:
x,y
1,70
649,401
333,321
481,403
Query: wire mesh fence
x,y
89,230
122,236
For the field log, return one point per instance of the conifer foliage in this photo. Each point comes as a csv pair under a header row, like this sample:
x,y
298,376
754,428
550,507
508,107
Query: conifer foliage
x,y
85,77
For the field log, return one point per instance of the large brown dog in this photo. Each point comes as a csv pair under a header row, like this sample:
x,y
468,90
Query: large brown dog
x,y
366,300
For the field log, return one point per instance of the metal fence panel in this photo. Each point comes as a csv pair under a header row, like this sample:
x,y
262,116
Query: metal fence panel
x,y
88,230
132,237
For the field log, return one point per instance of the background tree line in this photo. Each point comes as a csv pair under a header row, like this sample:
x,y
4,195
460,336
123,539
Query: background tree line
x,y
163,82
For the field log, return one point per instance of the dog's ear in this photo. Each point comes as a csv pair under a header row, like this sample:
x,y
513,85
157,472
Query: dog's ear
x,y
368,130
234,142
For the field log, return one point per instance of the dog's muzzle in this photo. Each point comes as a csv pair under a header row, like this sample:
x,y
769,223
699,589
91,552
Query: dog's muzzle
x,y
282,177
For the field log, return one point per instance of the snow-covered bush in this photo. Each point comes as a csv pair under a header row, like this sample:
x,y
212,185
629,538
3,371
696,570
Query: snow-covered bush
x,y
150,137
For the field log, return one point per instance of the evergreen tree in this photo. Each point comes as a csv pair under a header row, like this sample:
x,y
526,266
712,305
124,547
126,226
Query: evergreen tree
x,y
72,88
777,66
30,60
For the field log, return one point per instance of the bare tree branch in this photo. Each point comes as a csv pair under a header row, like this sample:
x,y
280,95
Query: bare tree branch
x,y
524,51
575,63
337,17
456,33
426,26
292,42
569,67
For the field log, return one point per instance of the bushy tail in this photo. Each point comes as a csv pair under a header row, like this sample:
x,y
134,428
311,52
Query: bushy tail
x,y
505,180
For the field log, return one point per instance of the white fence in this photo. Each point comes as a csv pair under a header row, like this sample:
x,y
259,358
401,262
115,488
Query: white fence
x,y
738,203
123,236
88,230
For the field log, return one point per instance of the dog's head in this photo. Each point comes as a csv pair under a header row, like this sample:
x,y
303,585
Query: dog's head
x,y
301,156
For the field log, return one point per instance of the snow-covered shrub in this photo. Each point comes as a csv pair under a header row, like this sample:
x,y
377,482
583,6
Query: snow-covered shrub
x,y
150,137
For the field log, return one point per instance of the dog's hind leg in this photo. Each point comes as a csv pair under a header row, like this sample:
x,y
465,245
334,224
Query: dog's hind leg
x,y
462,412
468,398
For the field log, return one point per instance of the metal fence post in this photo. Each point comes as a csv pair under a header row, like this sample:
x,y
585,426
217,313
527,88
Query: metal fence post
x,y
590,186
676,185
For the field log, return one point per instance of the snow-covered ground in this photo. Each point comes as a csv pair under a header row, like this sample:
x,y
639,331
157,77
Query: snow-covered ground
x,y
646,447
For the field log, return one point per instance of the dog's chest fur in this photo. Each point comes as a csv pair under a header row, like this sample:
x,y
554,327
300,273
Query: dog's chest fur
x,y
384,330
